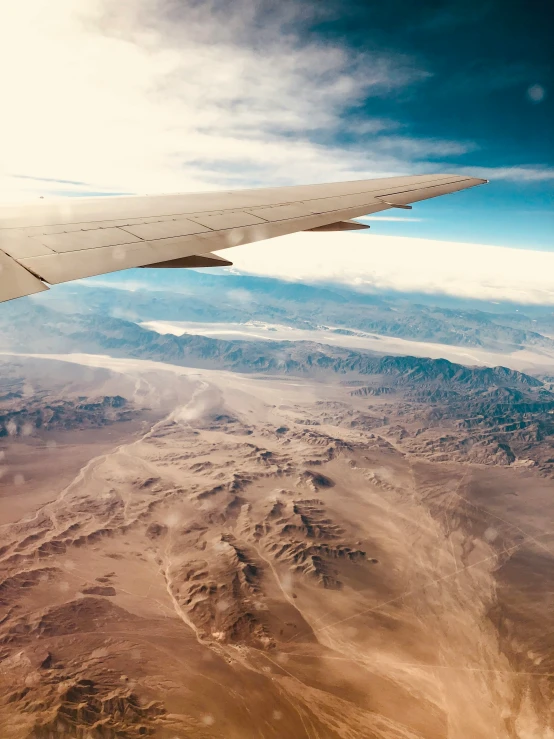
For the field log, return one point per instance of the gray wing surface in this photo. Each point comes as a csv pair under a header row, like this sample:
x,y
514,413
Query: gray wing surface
x,y
57,241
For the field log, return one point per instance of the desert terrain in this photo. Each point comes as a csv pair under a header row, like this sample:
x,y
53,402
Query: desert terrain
x,y
525,359
227,555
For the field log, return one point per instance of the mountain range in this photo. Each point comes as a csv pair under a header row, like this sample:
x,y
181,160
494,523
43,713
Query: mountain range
x,y
483,414
190,295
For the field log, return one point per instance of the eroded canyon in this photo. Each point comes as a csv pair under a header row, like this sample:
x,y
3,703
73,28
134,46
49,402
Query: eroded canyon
x,y
246,556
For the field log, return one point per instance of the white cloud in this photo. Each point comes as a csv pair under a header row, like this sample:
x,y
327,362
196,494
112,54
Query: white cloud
x,y
405,264
514,174
154,96
414,149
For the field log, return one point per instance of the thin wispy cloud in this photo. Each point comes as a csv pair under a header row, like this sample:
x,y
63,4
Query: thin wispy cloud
x,y
514,174
152,96
416,149
50,179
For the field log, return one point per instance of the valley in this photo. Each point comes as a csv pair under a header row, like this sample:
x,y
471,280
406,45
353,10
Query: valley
x,y
265,555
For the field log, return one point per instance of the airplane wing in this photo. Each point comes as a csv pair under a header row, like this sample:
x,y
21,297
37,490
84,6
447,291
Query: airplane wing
x,y
49,242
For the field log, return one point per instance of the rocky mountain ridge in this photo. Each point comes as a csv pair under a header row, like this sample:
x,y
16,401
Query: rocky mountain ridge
x,y
490,415
54,332
26,410
189,295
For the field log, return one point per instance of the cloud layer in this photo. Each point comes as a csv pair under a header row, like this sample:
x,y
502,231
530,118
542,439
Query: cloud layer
x,y
404,264
154,96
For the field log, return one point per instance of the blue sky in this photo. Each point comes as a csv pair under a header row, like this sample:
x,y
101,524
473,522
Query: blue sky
x,y
501,213
489,86
490,69
158,96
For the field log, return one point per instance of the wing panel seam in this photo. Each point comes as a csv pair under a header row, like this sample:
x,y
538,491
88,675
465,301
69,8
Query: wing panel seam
x,y
419,186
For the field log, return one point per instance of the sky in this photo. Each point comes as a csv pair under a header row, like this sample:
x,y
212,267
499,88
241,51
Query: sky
x,y
125,96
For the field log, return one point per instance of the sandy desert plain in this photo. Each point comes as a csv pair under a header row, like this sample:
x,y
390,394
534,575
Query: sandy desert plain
x,y
249,556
